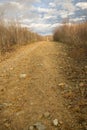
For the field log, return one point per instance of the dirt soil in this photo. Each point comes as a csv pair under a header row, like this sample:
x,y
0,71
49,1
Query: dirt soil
x,y
32,83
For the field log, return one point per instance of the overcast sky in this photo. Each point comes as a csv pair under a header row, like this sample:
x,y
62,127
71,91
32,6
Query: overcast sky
x,y
43,16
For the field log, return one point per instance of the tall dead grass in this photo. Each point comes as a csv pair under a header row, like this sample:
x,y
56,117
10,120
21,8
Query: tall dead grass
x,y
75,35
12,34
75,38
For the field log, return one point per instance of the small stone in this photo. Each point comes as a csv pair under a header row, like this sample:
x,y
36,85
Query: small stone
x,y
55,122
39,64
31,128
61,67
61,122
20,113
85,67
40,126
46,114
7,125
23,76
11,68
31,103
62,84
81,84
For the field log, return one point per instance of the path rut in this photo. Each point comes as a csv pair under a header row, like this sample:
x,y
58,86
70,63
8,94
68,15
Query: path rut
x,y
23,101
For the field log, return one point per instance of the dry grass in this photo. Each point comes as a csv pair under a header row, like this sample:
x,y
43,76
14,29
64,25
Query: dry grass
x,y
72,34
12,34
75,35
75,38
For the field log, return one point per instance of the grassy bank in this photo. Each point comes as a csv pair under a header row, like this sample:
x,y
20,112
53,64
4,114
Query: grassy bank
x,y
75,36
14,34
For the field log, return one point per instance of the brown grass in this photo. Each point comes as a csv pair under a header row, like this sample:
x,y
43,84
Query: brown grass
x,y
75,38
75,35
12,34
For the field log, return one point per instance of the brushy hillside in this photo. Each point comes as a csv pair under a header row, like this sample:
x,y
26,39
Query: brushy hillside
x,y
13,34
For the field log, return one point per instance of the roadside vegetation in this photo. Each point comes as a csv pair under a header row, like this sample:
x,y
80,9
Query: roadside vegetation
x,y
13,33
74,36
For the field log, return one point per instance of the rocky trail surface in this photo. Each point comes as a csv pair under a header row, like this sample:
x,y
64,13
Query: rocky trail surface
x,y
32,84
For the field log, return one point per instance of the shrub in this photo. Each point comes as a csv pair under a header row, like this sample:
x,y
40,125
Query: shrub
x,y
13,33
74,35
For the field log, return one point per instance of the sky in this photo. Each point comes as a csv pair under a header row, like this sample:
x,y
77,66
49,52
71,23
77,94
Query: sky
x,y
42,16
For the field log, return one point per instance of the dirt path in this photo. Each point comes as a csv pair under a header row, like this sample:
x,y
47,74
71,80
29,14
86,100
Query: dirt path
x,y
29,88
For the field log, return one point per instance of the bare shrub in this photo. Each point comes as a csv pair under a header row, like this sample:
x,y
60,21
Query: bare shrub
x,y
12,33
74,35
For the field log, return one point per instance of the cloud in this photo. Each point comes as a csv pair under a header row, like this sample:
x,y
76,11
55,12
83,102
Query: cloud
x,y
49,17
16,5
82,5
68,6
65,13
28,1
40,27
26,21
11,9
52,4
11,5
77,19
43,16
42,10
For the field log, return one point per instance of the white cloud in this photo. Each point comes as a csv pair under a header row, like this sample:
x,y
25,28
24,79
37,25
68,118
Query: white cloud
x,y
56,25
64,13
40,25
68,6
16,4
49,17
11,7
82,5
45,10
42,9
25,21
28,1
77,19
52,4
